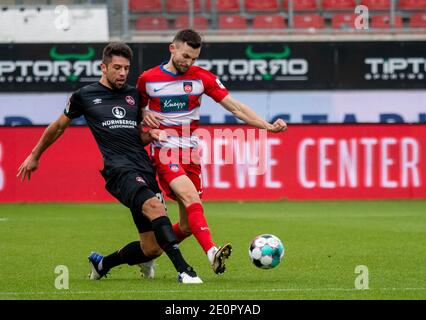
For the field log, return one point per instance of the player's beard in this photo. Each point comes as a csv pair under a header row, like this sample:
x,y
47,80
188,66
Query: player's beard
x,y
116,85
179,68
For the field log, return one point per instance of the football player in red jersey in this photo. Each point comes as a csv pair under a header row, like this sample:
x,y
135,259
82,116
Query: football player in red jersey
x,y
172,94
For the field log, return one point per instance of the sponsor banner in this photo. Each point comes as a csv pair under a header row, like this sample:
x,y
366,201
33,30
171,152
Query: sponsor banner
x,y
309,65
261,66
326,106
381,65
25,109
370,106
247,66
68,172
313,162
53,67
270,66
306,162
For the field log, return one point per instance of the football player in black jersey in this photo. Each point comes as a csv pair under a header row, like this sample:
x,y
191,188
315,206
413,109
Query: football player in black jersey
x,y
111,109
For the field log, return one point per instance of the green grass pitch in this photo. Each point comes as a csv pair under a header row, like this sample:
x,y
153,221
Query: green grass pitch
x,y
324,240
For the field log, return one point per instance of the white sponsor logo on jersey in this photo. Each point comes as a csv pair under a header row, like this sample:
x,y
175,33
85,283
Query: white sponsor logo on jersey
x,y
119,112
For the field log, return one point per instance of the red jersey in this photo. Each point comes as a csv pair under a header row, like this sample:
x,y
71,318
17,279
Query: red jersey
x,y
177,98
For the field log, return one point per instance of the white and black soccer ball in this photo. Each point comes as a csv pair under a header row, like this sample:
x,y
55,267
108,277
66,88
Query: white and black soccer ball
x,y
266,251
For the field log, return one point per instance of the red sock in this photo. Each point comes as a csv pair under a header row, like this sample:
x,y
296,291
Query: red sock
x,y
198,225
179,234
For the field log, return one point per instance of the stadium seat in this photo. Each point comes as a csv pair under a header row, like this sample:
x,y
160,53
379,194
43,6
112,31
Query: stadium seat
x,y
174,6
412,4
147,6
382,21
305,21
228,5
200,22
339,4
343,21
264,5
377,4
232,21
301,5
268,21
151,23
418,20
206,5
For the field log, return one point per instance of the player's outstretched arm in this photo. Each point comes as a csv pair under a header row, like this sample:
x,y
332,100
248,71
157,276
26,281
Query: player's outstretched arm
x,y
244,113
50,135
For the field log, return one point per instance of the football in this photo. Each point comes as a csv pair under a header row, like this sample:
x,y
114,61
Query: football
x,y
266,251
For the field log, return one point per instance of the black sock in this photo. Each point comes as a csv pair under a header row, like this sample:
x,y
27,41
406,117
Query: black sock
x,y
131,254
167,240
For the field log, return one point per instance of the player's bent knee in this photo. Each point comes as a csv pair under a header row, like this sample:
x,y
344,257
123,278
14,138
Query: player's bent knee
x,y
153,208
149,245
189,198
152,251
185,229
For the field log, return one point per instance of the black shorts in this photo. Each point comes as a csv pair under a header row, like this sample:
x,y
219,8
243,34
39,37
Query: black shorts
x,y
132,188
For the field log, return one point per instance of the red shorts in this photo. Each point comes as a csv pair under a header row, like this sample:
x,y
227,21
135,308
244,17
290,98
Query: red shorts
x,y
175,164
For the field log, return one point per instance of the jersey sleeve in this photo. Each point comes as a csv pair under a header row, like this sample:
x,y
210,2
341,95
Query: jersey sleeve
x,y
213,87
141,86
74,108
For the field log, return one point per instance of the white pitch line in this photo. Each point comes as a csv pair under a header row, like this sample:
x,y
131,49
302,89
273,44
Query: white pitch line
x,y
62,292
3,219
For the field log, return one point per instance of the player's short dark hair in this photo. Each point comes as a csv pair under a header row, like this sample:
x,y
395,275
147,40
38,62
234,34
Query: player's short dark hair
x,y
191,37
116,49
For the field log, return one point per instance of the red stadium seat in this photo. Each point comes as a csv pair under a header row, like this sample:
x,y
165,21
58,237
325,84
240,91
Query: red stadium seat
x,y
228,5
207,5
200,22
305,21
268,21
377,4
343,21
339,4
264,5
181,6
232,21
151,23
382,21
418,20
145,5
412,4
301,5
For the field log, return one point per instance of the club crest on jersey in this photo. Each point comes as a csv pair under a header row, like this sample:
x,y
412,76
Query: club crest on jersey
x,y
174,167
119,112
187,86
130,100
